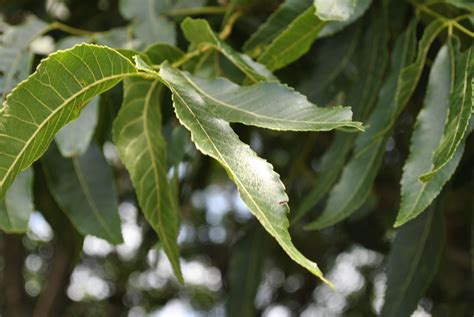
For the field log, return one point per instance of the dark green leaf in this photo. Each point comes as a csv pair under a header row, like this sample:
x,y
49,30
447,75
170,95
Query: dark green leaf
x,y
412,262
357,178
17,206
74,138
84,189
293,42
274,25
370,58
246,270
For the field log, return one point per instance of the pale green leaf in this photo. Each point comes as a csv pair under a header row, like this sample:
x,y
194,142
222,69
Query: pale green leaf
x,y
142,148
274,25
74,138
198,32
336,26
53,96
17,205
259,186
415,195
246,268
371,57
293,42
357,178
460,109
15,55
330,10
147,21
84,188
413,260
267,105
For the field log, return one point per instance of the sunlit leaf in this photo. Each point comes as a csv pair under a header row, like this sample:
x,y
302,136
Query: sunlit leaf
x,y
415,195
83,187
333,27
267,105
53,96
259,186
460,109
339,10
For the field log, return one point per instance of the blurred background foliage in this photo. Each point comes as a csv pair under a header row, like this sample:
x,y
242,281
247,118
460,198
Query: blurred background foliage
x,y
53,271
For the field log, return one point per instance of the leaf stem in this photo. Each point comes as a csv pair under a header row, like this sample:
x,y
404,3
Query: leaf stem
x,y
191,55
450,22
229,25
196,11
69,29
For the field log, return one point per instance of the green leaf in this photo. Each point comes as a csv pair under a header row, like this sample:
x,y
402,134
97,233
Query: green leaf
x,y
357,178
15,55
74,138
198,32
17,206
267,105
415,195
50,98
274,25
371,57
460,109
160,52
293,42
336,26
142,148
246,268
412,262
84,188
330,10
259,186
147,21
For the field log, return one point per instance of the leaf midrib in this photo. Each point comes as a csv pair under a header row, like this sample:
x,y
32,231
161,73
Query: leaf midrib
x,y
224,104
